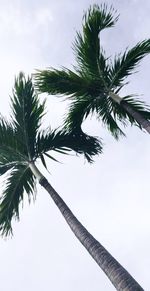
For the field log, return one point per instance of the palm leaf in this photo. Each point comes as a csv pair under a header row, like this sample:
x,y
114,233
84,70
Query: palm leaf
x,y
89,55
43,161
6,166
124,65
51,157
101,105
11,148
104,110
78,110
27,113
63,140
20,179
82,143
99,17
61,82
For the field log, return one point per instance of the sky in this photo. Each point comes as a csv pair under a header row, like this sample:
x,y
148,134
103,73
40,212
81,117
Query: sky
x,y
111,196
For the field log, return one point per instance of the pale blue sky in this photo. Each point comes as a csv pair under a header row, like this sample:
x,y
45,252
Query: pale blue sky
x,y
110,197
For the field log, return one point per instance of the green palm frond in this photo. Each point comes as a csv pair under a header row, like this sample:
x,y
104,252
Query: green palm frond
x,y
89,55
124,65
67,82
99,17
91,60
85,144
104,110
101,105
10,147
27,113
4,166
61,82
19,181
63,141
78,110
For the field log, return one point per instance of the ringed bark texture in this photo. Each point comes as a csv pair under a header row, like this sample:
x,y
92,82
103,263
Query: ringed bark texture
x,y
119,277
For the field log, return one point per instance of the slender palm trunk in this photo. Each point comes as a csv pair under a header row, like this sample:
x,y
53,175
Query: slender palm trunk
x,y
119,277
137,116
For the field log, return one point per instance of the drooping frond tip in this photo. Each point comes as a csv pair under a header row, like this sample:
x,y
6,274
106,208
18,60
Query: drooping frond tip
x,y
20,180
64,141
99,17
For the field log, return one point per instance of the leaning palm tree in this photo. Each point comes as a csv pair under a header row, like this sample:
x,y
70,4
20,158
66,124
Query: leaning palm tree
x,y
94,84
22,143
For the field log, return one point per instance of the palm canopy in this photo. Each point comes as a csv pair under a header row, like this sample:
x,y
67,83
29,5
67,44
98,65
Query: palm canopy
x,y
22,141
90,85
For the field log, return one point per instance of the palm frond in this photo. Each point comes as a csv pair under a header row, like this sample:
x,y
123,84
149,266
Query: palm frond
x,y
91,60
81,143
101,105
19,181
89,55
76,141
104,110
99,17
61,82
10,147
43,161
125,64
27,113
79,109
5,166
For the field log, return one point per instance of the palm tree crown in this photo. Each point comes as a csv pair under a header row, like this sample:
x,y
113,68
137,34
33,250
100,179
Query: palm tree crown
x,y
94,84
22,141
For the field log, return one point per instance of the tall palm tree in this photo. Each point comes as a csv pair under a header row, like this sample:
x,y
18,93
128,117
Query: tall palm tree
x,y
22,142
94,84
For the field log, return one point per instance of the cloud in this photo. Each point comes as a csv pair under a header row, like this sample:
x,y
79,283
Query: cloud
x,y
20,22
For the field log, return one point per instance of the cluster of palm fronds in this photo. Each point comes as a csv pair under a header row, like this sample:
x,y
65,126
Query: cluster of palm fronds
x,y
22,140
95,76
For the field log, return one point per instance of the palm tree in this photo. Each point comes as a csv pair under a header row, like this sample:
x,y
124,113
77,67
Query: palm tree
x,y
22,142
94,84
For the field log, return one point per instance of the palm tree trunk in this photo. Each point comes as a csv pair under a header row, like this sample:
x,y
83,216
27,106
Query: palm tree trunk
x,y
119,277
144,123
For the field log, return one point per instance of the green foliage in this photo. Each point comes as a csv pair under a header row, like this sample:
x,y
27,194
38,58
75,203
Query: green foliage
x,y
124,65
81,108
90,56
62,82
99,17
11,148
22,141
95,76
27,113
19,180
62,141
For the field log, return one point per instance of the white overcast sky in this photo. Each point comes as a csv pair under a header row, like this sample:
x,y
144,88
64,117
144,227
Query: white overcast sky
x,y
111,197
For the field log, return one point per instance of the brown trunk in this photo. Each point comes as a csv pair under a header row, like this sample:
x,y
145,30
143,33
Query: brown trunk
x,y
144,123
119,277
137,116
